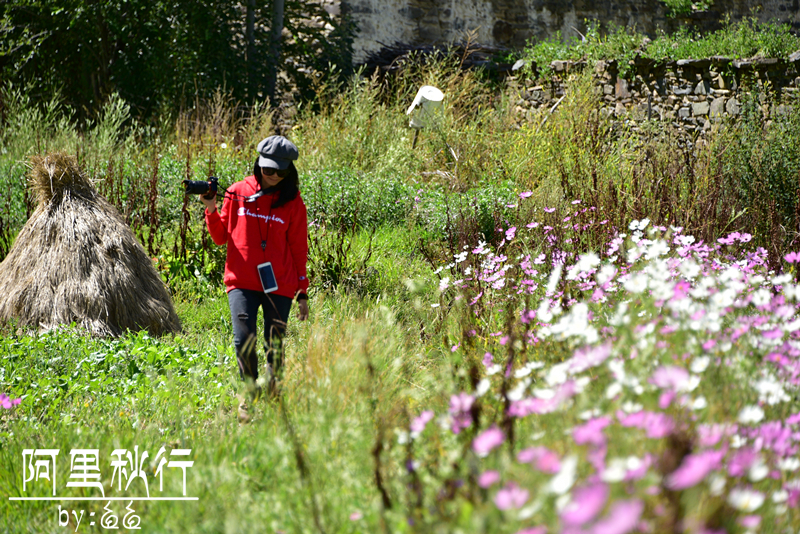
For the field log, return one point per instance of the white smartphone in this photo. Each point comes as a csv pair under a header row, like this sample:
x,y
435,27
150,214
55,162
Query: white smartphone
x,y
267,275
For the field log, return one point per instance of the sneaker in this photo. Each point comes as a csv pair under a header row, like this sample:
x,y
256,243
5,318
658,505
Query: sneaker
x,y
244,411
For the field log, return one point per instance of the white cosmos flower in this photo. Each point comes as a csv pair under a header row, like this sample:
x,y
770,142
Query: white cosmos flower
x,y
615,471
636,283
751,414
699,403
588,414
613,390
780,496
758,471
657,248
789,464
700,364
444,283
555,276
482,387
522,372
516,393
557,374
761,297
716,484
737,441
782,279
771,391
745,500
631,407
606,273
563,481
689,268
493,370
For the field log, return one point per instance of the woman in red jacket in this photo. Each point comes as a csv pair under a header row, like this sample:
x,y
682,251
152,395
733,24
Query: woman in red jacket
x,y
263,221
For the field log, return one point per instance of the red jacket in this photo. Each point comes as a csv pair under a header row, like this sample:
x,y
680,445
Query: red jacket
x,y
243,226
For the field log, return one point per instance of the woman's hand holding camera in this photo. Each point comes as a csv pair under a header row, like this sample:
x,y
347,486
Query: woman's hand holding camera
x,y
210,203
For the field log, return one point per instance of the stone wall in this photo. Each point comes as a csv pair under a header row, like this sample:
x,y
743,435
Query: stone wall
x,y
691,95
512,23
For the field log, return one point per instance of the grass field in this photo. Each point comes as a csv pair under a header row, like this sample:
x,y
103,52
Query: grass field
x,y
513,329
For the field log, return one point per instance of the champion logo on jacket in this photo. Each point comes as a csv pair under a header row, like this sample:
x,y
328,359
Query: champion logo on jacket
x,y
247,213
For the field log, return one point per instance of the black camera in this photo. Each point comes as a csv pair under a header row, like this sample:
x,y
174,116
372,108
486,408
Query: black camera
x,y
207,189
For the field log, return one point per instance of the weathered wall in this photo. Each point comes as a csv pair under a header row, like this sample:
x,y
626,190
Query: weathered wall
x,y
512,23
689,95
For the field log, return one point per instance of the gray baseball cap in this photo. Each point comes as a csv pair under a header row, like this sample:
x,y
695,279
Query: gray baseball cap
x,y
276,152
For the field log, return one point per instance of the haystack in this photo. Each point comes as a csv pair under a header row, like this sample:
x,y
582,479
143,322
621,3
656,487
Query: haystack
x,y
76,261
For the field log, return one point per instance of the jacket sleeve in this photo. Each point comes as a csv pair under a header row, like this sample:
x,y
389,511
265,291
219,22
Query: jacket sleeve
x,y
298,244
218,222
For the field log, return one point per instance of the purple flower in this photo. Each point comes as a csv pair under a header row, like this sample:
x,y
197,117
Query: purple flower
x,y
549,210
775,333
7,402
621,519
512,496
419,423
591,432
792,257
355,516
488,440
589,357
488,478
542,459
670,377
741,461
750,521
510,233
460,406
693,469
586,503
657,425
525,194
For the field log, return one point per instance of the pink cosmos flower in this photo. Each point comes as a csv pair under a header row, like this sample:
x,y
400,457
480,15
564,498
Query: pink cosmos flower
x,y
525,194
355,516
510,233
488,478
792,257
750,521
512,496
589,357
419,423
741,461
621,519
7,402
591,432
542,459
658,425
549,210
670,377
586,503
693,469
534,530
488,440
775,333
460,406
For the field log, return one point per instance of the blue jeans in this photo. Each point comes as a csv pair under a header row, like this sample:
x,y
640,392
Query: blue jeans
x,y
244,304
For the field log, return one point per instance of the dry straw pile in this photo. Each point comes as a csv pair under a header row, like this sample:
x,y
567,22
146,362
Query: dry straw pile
x,y
76,261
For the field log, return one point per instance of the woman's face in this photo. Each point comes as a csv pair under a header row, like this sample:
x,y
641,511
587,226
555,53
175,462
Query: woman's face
x,y
270,177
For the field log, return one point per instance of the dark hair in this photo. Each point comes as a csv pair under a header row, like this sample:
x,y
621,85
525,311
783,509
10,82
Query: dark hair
x,y
288,188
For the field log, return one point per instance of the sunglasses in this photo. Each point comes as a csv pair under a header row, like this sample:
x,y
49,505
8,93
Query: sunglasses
x,y
269,171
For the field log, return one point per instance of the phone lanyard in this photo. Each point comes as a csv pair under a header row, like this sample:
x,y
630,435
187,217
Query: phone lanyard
x,y
258,221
